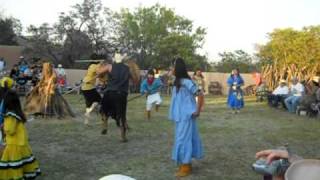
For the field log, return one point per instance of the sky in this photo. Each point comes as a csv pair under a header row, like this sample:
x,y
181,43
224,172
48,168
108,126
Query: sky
x,y
230,24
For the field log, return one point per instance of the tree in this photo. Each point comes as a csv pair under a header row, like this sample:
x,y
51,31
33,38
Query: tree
x,y
157,35
237,59
291,53
42,42
85,30
9,29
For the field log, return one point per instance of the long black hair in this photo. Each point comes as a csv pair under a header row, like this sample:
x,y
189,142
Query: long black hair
x,y
180,72
237,69
12,104
4,89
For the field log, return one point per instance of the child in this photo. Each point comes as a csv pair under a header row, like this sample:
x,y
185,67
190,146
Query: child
x,y
17,161
151,87
183,112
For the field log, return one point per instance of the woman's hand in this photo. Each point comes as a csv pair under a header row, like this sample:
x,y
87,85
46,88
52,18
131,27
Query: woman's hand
x,y
196,114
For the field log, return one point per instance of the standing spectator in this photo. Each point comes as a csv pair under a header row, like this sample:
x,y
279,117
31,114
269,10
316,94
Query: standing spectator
x,y
262,91
257,79
61,77
279,94
235,97
2,64
170,82
198,78
296,92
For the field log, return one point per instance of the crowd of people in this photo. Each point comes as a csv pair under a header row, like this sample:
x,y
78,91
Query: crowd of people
x,y
297,97
27,74
115,74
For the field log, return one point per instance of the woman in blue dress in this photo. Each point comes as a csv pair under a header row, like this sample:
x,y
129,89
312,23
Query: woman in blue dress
x,y
235,97
183,112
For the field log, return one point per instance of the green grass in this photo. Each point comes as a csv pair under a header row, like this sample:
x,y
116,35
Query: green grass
x,y
69,150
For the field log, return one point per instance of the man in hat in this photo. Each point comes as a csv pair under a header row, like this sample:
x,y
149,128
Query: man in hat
x,y
114,101
296,92
279,94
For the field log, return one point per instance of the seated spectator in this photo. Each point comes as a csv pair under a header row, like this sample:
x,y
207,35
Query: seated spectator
x,y
279,94
14,73
308,99
296,92
27,73
315,107
262,91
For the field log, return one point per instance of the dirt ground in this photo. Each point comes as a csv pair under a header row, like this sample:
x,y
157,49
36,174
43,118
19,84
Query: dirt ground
x,y
68,150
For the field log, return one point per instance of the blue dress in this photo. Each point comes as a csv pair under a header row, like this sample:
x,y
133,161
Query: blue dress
x,y
235,97
187,140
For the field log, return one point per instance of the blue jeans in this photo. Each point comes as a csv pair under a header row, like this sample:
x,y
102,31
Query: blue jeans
x,y
292,103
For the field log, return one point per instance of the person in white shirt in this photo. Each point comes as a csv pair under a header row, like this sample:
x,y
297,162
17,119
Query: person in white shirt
x,y
296,92
279,94
60,71
61,77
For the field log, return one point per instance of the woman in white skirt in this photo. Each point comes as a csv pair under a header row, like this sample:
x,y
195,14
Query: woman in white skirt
x,y
151,87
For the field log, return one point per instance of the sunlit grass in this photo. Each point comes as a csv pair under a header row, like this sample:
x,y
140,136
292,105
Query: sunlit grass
x,y
68,150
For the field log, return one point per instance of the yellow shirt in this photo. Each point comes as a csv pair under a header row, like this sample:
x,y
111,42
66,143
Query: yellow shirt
x,y
89,81
14,130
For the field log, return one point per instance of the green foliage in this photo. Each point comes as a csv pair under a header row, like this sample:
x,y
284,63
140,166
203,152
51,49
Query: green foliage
x,y
237,59
289,46
9,29
157,35
77,35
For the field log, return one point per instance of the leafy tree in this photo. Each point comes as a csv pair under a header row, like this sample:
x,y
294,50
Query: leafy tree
x,y
157,35
237,59
42,42
85,30
9,29
291,53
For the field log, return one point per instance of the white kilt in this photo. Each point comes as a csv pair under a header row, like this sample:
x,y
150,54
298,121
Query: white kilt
x,y
153,99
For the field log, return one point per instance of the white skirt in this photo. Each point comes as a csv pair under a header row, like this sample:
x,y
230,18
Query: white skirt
x,y
153,99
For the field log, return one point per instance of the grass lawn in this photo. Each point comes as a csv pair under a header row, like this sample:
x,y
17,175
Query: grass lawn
x,y
68,150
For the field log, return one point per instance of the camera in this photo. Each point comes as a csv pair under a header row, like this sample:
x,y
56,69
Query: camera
x,y
275,168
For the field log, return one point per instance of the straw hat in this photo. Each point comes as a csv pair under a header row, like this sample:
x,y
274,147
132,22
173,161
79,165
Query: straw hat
x,y
308,169
316,79
116,177
283,81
